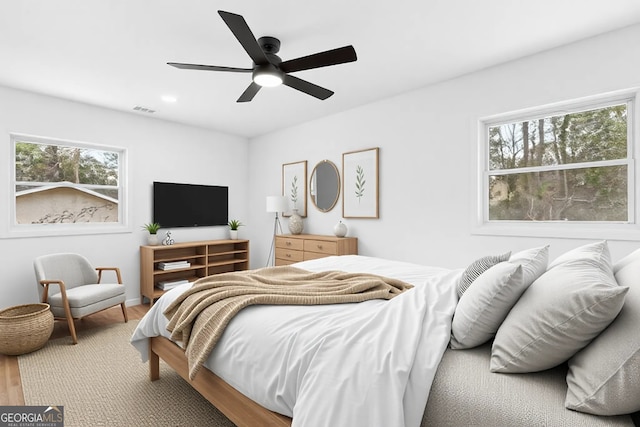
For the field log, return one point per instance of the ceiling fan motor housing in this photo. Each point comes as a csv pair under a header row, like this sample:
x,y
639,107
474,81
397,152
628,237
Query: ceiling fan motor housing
x,y
269,44
269,75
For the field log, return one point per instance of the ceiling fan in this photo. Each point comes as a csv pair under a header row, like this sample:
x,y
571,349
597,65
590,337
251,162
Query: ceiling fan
x,y
268,69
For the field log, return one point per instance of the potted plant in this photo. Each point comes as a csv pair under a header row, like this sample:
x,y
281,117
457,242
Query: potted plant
x,y
152,228
234,224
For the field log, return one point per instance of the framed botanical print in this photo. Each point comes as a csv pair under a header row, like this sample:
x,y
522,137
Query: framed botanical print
x,y
360,184
294,187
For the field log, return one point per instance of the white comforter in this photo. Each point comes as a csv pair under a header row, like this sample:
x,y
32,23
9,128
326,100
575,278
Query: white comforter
x,y
367,364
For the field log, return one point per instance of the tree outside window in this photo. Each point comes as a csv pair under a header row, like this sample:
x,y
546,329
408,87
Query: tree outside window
x,y
570,166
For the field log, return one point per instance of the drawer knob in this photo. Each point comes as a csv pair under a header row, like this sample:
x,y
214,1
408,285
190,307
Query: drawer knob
x,y
288,255
288,243
319,246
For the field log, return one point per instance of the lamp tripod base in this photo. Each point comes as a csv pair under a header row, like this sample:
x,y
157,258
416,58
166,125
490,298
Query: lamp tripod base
x,y
277,227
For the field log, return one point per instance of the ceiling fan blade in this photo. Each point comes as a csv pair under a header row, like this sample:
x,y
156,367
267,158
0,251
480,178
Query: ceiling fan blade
x,y
241,30
249,92
340,55
208,67
306,87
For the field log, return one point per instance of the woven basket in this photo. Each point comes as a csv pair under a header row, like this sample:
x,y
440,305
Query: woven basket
x,y
25,328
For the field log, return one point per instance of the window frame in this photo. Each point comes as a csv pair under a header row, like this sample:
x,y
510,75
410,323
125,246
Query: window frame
x,y
623,230
15,230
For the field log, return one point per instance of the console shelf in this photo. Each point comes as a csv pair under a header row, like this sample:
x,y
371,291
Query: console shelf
x,y
205,258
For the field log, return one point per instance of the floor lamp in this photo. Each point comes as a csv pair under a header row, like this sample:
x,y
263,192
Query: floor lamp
x,y
275,204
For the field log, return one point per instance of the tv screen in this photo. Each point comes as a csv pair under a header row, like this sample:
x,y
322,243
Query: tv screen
x,y
190,205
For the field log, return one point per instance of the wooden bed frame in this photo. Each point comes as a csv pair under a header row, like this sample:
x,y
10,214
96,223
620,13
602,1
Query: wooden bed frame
x,y
241,410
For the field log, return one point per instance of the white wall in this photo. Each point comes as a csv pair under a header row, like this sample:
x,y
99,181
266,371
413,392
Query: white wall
x,y
157,151
427,139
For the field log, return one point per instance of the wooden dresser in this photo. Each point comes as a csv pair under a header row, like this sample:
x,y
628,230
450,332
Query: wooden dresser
x,y
292,248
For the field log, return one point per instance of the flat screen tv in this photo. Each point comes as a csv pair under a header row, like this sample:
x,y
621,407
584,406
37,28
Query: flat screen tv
x,y
190,205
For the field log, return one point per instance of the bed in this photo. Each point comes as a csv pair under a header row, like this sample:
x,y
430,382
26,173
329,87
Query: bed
x,y
374,363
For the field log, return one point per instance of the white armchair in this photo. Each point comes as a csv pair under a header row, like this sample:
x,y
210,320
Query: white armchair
x,y
71,286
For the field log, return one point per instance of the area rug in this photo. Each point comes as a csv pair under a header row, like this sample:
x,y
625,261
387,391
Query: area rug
x,y
101,381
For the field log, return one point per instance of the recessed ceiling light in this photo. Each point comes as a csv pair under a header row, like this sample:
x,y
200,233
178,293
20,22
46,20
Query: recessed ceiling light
x,y
169,98
144,109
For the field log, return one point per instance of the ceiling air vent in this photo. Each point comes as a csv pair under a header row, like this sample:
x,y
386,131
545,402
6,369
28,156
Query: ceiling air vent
x,y
143,109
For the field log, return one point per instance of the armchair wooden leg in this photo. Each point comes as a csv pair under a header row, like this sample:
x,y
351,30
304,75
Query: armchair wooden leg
x,y
124,312
67,313
72,329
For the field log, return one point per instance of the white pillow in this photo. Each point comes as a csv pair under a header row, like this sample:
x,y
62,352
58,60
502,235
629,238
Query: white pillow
x,y
560,313
476,268
604,378
483,307
534,263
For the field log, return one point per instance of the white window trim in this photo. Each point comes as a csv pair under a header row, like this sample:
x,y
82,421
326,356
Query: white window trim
x,y
578,230
12,230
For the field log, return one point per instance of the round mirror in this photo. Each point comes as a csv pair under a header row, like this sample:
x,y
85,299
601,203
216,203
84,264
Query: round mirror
x,y
325,185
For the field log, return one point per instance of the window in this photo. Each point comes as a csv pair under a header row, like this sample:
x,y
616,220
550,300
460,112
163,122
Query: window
x,y
565,168
63,187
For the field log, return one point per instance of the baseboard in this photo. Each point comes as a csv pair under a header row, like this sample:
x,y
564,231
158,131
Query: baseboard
x,y
134,301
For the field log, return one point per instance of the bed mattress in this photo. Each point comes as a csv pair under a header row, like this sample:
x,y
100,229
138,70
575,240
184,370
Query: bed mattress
x,y
365,364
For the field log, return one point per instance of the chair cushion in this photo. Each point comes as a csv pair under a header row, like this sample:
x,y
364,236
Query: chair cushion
x,y
83,296
80,312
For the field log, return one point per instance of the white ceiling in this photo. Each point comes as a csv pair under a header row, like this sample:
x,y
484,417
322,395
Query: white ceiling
x,y
113,53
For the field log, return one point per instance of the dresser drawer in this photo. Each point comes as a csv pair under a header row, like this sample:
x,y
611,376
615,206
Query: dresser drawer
x,y
288,243
314,255
321,247
289,255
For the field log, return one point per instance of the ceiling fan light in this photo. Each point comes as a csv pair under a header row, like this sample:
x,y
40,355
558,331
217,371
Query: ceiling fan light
x,y
267,80
267,76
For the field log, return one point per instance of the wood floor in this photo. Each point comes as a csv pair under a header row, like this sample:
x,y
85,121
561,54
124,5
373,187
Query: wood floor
x,y
10,384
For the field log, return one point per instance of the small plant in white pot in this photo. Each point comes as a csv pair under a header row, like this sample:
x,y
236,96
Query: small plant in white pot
x,y
152,228
234,225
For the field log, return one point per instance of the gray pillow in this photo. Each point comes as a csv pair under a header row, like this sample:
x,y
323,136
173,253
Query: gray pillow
x,y
604,378
478,267
534,263
483,307
560,313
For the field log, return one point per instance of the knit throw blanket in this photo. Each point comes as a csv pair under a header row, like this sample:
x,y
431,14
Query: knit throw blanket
x,y
198,317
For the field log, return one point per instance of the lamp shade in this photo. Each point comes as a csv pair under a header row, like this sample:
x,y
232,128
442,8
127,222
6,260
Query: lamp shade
x,y
276,203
